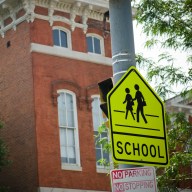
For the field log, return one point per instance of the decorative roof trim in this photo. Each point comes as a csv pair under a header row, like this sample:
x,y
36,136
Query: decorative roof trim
x,y
84,8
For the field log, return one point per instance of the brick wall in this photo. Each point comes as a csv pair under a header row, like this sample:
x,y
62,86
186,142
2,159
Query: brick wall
x,y
17,110
83,75
47,71
29,110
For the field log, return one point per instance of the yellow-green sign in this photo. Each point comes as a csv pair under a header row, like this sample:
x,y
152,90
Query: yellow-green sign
x,y
137,121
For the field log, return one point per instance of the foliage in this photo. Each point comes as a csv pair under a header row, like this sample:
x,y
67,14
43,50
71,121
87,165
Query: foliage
x,y
4,189
171,19
105,143
179,131
165,75
4,161
180,151
106,146
167,23
3,153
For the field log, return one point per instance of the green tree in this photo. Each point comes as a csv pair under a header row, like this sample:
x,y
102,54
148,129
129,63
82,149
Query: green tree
x,y
180,151
168,23
168,18
179,131
4,161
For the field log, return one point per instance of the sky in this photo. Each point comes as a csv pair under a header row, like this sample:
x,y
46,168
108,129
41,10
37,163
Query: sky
x,y
139,41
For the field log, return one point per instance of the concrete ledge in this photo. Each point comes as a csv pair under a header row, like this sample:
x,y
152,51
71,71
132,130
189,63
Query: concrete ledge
x,y
68,53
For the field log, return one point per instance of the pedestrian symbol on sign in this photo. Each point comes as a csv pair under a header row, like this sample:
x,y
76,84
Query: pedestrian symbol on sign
x,y
140,103
130,102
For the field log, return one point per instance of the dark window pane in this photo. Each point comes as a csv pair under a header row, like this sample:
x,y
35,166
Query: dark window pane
x,y
89,44
98,154
106,156
63,39
97,45
96,133
104,134
56,37
64,160
97,145
72,160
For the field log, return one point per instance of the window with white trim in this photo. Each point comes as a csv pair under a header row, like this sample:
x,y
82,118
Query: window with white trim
x,y
67,114
95,44
98,119
61,37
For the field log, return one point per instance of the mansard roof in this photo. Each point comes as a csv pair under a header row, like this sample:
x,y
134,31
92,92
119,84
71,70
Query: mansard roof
x,y
18,11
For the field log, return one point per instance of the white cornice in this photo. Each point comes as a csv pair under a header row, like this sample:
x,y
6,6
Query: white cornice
x,y
93,9
68,53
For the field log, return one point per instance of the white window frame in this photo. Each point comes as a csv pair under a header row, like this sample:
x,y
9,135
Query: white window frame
x,y
100,168
101,43
68,32
69,166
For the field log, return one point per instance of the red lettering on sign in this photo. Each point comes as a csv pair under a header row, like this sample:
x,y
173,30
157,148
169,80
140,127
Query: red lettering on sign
x,y
117,175
131,173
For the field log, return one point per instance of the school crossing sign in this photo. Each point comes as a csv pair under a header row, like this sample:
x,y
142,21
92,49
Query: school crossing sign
x,y
137,121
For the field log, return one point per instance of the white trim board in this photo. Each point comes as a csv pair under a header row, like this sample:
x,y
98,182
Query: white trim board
x,y
67,53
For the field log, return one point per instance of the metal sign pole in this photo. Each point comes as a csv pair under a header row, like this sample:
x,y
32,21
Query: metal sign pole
x,y
123,50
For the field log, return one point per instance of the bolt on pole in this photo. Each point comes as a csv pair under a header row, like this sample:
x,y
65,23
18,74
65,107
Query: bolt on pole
x,y
122,40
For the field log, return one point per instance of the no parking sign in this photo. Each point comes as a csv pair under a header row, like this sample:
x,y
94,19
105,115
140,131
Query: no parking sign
x,y
139,179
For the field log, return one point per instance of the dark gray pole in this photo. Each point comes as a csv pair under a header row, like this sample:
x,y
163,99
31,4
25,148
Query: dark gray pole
x,y
123,50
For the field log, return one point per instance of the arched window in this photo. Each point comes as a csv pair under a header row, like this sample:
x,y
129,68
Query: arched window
x,y
67,113
98,119
95,44
61,37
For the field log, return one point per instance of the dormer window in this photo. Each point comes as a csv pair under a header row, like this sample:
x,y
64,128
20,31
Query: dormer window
x,y
61,37
95,44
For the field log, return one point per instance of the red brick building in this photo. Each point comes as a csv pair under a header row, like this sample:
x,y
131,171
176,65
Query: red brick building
x,y
52,55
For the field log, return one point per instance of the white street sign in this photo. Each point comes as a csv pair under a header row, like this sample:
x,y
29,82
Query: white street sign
x,y
139,179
